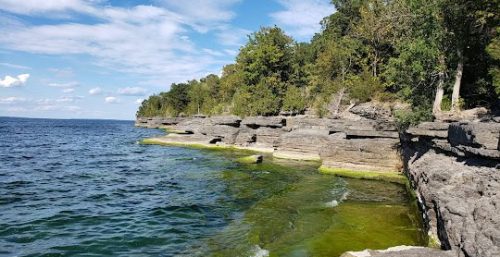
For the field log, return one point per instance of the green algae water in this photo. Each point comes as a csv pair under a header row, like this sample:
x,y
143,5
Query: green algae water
x,y
87,188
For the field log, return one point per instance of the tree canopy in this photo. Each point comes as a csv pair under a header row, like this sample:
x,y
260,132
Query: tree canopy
x,y
433,54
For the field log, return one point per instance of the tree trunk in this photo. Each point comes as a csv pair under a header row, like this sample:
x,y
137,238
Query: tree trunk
x,y
439,94
456,87
336,101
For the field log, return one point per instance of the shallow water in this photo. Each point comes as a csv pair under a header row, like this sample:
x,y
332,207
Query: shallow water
x,y
86,188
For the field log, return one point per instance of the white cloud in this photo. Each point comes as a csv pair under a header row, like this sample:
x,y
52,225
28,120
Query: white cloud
x,y
139,101
95,91
203,14
12,100
69,108
132,91
64,85
68,99
145,40
231,52
64,72
212,52
15,66
9,81
68,90
37,6
111,100
56,101
232,36
301,18
148,40
17,109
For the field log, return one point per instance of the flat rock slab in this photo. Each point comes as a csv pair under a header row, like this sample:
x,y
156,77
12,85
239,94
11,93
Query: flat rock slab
x,y
273,122
477,135
401,251
430,129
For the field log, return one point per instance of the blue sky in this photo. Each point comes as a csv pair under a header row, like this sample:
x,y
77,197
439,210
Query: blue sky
x,y
100,58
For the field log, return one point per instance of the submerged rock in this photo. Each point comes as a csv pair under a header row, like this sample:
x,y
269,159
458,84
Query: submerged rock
x,y
400,251
251,159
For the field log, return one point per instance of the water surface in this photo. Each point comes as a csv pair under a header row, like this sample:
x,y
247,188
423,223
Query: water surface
x,y
87,188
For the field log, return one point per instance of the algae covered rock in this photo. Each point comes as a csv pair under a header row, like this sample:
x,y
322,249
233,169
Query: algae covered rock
x,y
400,251
251,159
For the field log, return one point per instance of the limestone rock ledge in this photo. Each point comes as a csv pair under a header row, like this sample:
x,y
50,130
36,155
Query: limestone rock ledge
x,y
457,182
361,144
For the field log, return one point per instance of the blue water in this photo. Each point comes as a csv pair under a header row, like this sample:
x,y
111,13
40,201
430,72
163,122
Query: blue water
x,y
87,188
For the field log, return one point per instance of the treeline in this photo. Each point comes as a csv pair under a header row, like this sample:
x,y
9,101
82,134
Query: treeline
x,y
437,55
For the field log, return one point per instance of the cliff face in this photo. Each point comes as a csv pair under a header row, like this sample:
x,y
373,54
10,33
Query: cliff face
x,y
357,143
454,169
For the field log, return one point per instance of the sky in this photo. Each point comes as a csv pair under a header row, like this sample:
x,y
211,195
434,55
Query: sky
x,y
100,58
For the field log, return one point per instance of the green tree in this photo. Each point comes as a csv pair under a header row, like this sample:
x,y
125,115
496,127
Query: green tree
x,y
268,53
294,100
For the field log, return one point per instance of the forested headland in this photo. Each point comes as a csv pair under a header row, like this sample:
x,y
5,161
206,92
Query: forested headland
x,y
436,55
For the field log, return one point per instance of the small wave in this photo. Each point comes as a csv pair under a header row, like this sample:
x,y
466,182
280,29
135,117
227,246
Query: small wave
x,y
344,196
259,252
334,203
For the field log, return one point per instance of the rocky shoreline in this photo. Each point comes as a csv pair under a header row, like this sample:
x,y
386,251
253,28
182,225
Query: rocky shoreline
x,y
455,171
452,167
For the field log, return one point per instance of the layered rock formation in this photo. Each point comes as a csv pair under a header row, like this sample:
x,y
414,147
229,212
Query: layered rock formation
x,y
362,144
455,171
156,122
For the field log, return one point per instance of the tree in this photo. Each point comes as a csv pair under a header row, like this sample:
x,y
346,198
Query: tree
x,y
268,53
294,100
198,93
494,51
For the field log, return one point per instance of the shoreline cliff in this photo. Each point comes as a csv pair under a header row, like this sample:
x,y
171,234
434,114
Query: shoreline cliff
x,y
453,168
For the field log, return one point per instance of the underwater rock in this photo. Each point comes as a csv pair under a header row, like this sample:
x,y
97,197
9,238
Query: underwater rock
x,y
400,251
251,159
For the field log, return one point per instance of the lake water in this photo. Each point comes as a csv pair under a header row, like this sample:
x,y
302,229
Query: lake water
x,y
87,188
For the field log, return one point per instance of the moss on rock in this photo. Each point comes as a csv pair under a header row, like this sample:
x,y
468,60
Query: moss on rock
x,y
394,177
